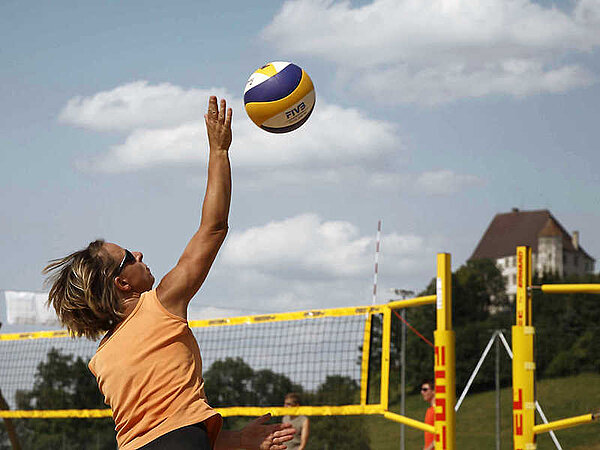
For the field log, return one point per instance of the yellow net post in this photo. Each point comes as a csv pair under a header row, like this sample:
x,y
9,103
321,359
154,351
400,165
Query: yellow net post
x,y
364,369
523,364
444,364
385,358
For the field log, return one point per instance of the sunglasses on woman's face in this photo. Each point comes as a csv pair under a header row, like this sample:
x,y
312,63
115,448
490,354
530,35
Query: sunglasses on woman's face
x,y
128,258
424,389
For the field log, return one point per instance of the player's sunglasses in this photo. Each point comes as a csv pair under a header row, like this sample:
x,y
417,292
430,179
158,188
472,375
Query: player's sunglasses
x,y
128,258
424,389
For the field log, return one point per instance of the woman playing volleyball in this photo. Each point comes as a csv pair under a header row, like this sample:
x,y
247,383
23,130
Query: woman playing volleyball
x,y
148,365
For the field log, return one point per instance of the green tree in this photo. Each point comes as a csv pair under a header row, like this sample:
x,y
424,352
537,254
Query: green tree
x,y
227,383
567,329
232,382
337,432
270,388
63,382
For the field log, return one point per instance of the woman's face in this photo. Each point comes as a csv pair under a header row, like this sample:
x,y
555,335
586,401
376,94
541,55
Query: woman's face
x,y
135,272
288,402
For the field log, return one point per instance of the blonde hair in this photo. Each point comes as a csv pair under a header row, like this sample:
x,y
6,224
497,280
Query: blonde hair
x,y
83,292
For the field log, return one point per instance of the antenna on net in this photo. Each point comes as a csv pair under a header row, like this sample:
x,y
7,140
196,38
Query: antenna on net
x,y
377,245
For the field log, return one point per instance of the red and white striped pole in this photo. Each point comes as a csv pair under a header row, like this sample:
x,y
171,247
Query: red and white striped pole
x,y
378,241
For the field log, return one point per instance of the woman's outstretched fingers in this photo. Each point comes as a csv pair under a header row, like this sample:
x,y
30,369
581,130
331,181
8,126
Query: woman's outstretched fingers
x,y
222,110
213,110
284,435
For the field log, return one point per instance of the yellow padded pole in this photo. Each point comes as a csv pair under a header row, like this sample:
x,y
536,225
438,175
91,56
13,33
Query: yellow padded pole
x,y
564,423
444,358
364,368
523,364
408,421
570,288
386,340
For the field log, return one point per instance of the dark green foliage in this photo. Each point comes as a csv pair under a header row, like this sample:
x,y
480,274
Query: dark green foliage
x,y
337,432
232,382
567,329
62,382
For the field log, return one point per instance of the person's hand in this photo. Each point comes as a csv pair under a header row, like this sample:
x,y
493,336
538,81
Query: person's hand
x,y
255,435
218,124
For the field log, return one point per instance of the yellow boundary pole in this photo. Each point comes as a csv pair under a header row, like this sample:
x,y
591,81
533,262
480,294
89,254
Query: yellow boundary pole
x,y
523,364
385,358
524,427
444,359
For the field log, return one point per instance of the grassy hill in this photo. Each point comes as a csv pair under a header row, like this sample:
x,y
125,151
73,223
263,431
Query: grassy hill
x,y
476,419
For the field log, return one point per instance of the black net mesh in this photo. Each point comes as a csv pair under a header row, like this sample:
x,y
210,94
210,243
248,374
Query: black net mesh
x,y
251,364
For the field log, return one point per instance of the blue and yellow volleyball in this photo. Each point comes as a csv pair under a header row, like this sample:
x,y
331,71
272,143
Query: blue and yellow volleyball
x,y
279,97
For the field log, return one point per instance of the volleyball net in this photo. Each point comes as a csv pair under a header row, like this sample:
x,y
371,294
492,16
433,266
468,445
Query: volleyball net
x,y
338,360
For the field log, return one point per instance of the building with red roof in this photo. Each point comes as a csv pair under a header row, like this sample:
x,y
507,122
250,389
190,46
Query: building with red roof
x,y
553,249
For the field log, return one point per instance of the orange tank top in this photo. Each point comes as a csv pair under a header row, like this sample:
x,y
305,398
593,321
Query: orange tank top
x,y
150,373
429,419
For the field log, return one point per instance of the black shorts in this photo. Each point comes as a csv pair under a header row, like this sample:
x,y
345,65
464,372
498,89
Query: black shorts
x,y
192,437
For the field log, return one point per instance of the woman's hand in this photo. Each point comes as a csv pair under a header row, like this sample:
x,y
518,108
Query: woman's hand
x,y
255,435
218,124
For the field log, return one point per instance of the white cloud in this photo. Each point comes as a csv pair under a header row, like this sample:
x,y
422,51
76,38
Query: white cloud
x,y
214,312
436,51
445,182
164,128
302,244
306,246
138,105
307,262
335,145
435,182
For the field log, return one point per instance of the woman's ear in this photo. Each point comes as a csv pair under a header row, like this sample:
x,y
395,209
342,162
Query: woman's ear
x,y
122,284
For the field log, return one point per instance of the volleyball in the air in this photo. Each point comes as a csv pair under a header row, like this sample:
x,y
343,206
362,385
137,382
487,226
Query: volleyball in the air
x,y
279,97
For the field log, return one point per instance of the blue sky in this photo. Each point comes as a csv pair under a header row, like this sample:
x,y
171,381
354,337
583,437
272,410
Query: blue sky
x,y
431,115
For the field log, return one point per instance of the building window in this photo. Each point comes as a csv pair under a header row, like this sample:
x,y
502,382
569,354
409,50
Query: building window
x,y
576,260
514,279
